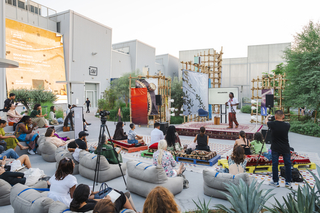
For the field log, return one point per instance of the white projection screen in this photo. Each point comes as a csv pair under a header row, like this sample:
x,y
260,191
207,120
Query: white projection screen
x,y
78,121
221,95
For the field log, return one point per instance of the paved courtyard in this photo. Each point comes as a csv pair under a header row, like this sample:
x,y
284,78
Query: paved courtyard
x,y
300,143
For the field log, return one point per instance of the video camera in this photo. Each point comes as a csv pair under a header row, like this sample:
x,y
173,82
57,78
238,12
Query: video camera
x,y
272,118
104,113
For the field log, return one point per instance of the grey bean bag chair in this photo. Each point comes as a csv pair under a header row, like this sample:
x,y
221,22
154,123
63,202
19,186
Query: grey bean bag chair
x,y
25,200
48,151
5,189
214,182
41,140
107,171
63,153
58,207
142,178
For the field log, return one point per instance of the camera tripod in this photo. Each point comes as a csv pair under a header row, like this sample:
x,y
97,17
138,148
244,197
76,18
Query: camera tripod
x,y
101,141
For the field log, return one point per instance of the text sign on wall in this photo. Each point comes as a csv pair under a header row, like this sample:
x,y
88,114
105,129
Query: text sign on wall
x,y
93,71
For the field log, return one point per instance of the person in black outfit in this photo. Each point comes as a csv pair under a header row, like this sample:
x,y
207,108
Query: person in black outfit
x,y
202,140
83,201
81,142
280,146
119,134
8,102
88,105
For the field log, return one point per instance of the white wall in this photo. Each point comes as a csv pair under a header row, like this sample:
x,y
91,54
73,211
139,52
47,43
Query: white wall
x,y
132,51
2,53
146,57
121,64
168,64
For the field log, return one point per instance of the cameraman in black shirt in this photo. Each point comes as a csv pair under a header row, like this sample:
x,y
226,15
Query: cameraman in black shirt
x,y
279,146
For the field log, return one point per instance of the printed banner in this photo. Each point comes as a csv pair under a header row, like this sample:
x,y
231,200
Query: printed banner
x,y
195,89
139,106
152,87
264,109
40,56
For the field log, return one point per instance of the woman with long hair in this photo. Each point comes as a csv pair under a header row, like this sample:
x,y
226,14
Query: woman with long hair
x,y
237,161
244,142
160,200
165,159
173,139
257,144
56,135
24,133
119,134
50,137
63,183
13,115
37,117
83,200
10,140
202,140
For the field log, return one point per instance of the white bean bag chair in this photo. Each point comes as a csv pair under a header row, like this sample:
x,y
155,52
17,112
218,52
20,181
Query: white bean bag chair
x,y
58,207
142,178
107,171
27,200
63,153
214,182
5,189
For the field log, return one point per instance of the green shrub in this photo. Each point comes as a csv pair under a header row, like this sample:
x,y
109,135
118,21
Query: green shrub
x,y
59,113
247,109
305,128
102,104
46,108
113,114
125,113
176,120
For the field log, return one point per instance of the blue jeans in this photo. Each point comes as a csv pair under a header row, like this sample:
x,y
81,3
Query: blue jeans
x,y
3,146
275,162
10,153
267,155
134,141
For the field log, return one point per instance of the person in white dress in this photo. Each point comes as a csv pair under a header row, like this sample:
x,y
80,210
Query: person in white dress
x,y
63,183
232,104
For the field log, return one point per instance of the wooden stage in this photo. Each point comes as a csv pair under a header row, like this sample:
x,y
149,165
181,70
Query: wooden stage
x,y
218,131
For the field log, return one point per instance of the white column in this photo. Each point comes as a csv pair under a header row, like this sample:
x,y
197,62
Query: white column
x,y
3,83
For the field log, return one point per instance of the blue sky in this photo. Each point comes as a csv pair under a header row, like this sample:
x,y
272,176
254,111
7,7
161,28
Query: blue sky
x,y
173,25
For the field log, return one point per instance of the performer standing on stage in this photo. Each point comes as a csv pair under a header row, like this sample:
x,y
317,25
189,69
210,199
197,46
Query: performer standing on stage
x,y
232,104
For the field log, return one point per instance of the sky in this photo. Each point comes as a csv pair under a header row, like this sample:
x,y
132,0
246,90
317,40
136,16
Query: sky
x,y
174,25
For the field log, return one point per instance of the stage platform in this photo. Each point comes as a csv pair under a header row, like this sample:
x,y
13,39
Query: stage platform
x,y
218,131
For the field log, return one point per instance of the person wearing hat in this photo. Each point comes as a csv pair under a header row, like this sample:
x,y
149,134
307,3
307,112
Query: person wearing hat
x,y
81,142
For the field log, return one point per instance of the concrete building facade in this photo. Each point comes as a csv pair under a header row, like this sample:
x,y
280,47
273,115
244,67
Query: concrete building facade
x,y
168,65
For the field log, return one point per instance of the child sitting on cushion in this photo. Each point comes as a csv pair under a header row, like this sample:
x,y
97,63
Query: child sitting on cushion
x,y
133,138
257,144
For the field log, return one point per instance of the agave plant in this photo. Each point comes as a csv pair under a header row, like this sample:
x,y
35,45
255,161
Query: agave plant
x,y
246,198
202,207
304,200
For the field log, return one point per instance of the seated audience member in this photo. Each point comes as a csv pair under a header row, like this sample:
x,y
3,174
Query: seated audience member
x,y
10,141
173,139
24,133
165,159
56,135
244,142
160,200
237,161
133,138
54,140
69,119
37,117
257,144
9,153
13,115
109,153
119,134
202,140
81,142
84,200
14,177
53,118
156,136
63,183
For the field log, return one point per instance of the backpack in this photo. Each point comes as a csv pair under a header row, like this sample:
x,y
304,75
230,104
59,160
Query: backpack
x,y
296,176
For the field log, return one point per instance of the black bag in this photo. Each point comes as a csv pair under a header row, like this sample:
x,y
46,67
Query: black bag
x,y
296,176
188,151
104,191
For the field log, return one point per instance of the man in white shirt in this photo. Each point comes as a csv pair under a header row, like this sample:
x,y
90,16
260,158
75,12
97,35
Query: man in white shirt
x,y
156,134
232,104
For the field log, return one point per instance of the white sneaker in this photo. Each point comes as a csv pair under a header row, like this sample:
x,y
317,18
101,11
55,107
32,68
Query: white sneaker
x,y
31,152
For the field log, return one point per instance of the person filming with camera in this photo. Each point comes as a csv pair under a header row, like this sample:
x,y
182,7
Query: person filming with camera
x,y
279,146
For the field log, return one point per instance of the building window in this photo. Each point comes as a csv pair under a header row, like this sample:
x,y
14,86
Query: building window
x,y
21,4
12,2
58,27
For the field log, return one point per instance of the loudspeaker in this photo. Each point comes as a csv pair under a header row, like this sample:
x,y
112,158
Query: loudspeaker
x,y
164,127
158,100
268,139
269,100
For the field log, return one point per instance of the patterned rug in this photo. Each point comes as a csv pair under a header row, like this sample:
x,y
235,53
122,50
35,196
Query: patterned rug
x,y
217,131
